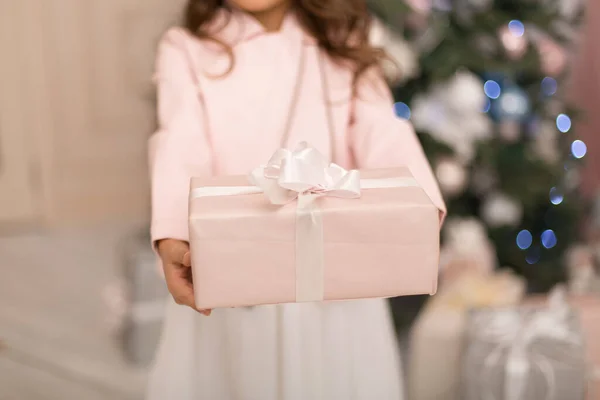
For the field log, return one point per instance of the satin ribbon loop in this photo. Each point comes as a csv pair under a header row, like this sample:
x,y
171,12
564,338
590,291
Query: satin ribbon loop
x,y
290,174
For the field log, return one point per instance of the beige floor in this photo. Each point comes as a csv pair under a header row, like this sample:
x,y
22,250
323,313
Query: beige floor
x,y
56,343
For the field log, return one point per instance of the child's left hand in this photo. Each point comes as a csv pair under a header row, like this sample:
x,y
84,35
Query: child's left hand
x,y
176,260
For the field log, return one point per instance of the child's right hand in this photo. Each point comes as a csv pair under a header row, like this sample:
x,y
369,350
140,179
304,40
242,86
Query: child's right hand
x,y
176,261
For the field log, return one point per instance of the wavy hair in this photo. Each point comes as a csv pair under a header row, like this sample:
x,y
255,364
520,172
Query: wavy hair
x,y
341,28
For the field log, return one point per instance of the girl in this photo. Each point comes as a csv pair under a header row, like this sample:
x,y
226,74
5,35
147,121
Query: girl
x,y
244,78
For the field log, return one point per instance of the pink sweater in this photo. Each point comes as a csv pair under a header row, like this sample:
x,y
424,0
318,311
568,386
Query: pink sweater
x,y
232,124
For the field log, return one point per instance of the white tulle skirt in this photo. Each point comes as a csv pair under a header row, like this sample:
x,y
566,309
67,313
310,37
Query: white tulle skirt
x,y
333,351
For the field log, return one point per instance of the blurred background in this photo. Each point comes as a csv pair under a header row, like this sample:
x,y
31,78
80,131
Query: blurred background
x,y
504,97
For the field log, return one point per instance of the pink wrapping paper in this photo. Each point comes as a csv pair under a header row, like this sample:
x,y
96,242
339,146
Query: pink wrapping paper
x,y
384,244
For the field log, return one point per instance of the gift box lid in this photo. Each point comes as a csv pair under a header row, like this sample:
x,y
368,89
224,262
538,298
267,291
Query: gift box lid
x,y
374,214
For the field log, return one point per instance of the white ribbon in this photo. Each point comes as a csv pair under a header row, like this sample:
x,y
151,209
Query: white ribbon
x,y
291,174
508,330
303,175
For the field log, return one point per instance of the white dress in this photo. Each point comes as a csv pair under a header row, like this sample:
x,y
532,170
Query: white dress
x,y
344,351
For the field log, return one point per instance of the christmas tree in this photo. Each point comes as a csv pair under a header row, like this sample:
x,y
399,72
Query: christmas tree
x,y
483,82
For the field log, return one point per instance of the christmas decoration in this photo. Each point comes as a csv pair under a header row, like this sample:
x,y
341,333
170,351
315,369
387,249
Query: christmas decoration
x,y
451,176
500,210
489,108
512,104
545,144
452,113
514,43
553,57
467,248
403,64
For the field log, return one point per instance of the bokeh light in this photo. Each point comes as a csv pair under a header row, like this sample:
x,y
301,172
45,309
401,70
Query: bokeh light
x,y
549,86
402,110
516,27
442,5
578,149
563,123
556,197
548,239
524,239
487,105
492,89
533,256
513,104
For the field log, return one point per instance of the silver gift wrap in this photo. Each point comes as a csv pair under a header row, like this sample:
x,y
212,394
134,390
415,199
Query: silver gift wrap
x,y
525,354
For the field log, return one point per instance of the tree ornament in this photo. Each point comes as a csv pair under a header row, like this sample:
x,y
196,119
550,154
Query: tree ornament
x,y
514,45
512,105
553,57
451,176
501,210
403,64
451,113
545,143
466,245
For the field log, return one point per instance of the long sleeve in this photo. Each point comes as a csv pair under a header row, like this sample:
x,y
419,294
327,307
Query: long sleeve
x,y
178,150
379,139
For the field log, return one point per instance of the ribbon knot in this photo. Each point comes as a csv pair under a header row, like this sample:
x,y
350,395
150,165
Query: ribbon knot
x,y
304,171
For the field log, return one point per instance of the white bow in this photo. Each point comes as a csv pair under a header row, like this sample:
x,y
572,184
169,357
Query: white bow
x,y
515,335
289,174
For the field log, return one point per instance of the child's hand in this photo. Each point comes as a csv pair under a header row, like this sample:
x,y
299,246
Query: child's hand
x,y
176,261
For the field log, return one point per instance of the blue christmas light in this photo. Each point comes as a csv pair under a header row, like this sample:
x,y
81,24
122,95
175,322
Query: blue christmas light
x,y
492,89
556,197
549,239
534,256
524,239
487,105
549,86
516,27
402,110
563,123
578,149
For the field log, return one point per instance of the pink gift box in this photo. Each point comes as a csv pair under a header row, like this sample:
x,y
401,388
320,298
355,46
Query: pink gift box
x,y
383,244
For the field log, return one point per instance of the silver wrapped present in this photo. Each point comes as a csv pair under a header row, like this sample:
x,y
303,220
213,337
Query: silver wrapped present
x,y
525,354
139,301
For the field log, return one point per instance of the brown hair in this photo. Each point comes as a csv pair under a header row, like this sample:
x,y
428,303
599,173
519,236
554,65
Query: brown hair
x,y
341,28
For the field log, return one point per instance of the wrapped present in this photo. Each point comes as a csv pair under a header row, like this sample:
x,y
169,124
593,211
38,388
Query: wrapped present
x,y
438,337
587,308
138,301
525,354
307,230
